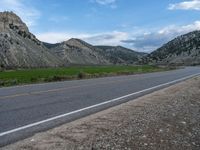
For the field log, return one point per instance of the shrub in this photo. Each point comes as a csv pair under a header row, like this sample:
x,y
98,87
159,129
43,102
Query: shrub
x,y
81,75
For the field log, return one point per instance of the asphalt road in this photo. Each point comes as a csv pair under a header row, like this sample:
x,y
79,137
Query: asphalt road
x,y
25,110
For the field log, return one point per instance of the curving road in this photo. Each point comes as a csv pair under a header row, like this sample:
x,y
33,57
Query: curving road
x,y
25,110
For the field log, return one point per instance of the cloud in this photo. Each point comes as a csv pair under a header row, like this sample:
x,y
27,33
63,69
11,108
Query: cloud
x,y
186,5
111,3
107,38
28,14
105,2
110,38
58,19
55,37
153,40
140,41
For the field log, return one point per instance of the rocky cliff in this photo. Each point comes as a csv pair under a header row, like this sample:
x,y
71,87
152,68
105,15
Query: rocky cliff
x,y
183,50
19,48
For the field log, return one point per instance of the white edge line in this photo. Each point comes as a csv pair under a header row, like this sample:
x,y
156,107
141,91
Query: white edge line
x,y
93,106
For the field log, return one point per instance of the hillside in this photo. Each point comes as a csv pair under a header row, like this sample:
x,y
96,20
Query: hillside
x,y
19,48
76,51
121,55
183,50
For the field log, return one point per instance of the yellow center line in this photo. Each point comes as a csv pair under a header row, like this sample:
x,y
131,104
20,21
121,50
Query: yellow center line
x,y
57,90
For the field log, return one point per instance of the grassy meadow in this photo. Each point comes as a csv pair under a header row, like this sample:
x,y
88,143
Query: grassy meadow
x,y
27,76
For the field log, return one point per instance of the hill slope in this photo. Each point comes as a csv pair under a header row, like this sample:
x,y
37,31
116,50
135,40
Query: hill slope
x,y
183,50
76,51
19,48
121,55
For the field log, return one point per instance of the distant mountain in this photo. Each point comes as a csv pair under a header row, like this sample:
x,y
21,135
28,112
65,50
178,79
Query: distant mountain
x,y
49,45
121,55
183,50
21,49
76,51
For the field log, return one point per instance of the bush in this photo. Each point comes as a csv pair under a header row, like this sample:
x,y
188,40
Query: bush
x,y
81,75
33,79
13,82
2,83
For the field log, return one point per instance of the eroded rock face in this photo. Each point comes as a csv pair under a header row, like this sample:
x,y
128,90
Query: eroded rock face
x,y
21,49
76,51
183,50
9,20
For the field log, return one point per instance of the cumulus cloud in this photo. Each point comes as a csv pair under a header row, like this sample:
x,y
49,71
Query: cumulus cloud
x,y
107,38
55,37
28,14
186,5
153,40
111,38
144,41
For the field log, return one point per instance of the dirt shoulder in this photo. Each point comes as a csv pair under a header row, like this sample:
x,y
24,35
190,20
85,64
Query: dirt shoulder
x,y
166,119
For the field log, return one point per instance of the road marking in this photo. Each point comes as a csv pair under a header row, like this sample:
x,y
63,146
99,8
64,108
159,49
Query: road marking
x,y
93,106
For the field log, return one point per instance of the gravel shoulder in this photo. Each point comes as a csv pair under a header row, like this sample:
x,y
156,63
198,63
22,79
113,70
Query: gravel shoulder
x,y
165,119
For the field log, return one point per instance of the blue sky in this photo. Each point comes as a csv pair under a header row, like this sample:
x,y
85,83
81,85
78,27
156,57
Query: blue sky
x,y
142,25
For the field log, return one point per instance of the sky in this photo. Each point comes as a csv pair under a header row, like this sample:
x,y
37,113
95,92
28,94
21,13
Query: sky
x,y
141,25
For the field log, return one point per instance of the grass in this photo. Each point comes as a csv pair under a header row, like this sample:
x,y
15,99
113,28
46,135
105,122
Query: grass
x,y
27,76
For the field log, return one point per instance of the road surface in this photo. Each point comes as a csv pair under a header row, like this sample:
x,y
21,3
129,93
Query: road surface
x,y
25,110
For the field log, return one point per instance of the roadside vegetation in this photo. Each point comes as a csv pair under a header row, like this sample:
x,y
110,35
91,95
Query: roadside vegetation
x,y
27,76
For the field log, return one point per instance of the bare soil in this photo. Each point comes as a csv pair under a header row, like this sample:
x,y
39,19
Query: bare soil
x,y
168,119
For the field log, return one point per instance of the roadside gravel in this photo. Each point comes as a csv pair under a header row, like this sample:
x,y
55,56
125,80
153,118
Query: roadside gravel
x,y
166,119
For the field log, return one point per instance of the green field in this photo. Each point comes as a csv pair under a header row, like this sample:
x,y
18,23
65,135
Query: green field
x,y
27,76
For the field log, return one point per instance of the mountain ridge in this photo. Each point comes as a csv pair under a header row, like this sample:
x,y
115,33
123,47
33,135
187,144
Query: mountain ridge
x,y
182,50
19,48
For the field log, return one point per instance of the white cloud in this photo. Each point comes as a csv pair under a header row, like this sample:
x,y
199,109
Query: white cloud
x,y
58,19
105,2
154,39
108,38
111,3
55,37
28,14
186,5
140,41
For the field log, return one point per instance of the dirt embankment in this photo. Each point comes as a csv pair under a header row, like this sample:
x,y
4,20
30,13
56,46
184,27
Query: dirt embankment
x,y
166,119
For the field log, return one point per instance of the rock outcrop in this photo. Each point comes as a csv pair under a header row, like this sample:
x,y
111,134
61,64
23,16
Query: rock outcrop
x,y
21,49
183,50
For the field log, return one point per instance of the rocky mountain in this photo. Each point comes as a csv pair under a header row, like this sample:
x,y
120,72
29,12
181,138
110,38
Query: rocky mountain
x,y
121,55
183,50
19,48
76,51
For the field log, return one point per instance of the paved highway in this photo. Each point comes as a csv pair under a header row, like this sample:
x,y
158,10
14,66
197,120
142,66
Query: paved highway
x,y
25,110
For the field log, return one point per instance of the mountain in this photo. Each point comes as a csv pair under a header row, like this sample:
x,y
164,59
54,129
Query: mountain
x,y
183,50
76,51
21,49
121,55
